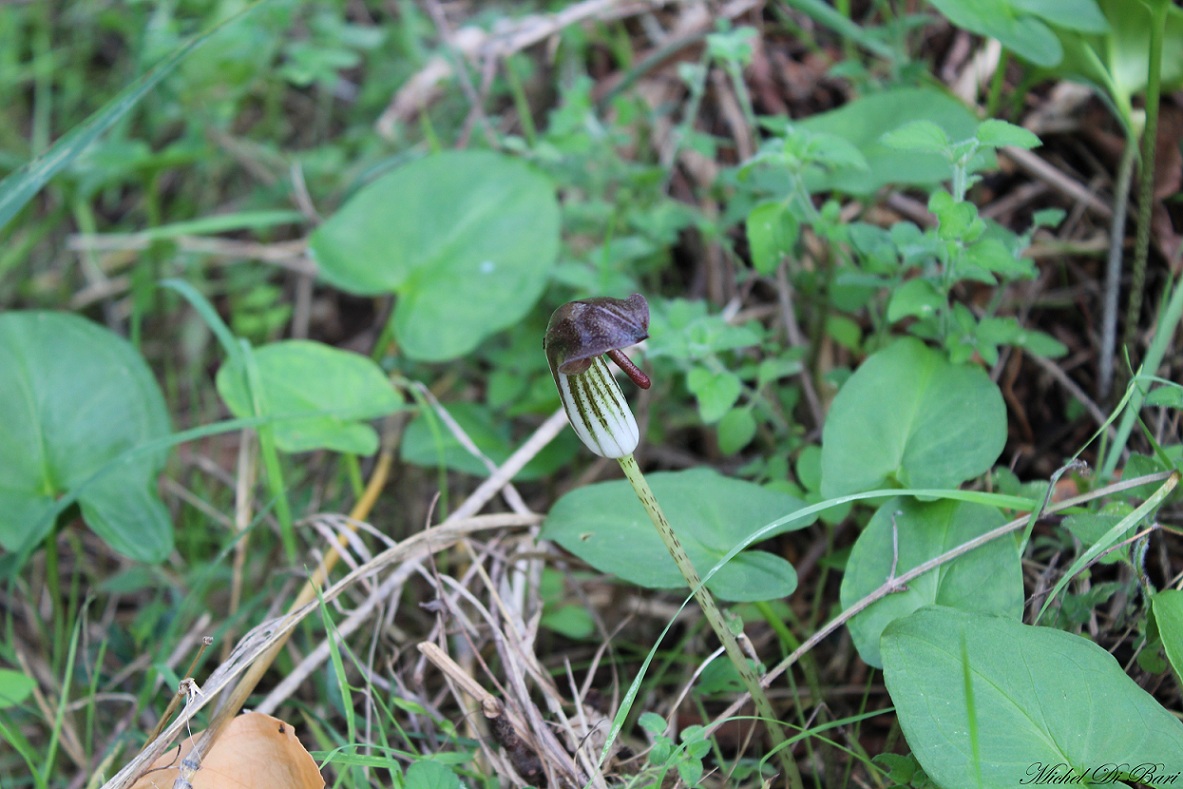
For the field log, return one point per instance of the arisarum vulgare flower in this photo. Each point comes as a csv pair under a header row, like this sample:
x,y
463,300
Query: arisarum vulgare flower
x,y
579,335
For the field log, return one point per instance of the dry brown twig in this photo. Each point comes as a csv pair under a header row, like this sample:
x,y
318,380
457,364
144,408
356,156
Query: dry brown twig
x,y
255,651
475,44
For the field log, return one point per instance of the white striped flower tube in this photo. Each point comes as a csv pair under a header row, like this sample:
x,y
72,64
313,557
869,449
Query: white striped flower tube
x,y
578,336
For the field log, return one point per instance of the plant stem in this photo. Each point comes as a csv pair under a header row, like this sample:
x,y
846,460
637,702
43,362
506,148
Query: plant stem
x,y
1158,22
1121,201
714,616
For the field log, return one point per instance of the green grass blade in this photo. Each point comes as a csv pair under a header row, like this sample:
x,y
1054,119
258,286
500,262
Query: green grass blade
x,y
21,185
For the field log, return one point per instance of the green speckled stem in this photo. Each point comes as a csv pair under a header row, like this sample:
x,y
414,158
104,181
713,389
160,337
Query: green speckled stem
x,y
707,603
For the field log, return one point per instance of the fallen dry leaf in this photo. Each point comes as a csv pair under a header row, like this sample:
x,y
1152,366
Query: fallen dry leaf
x,y
256,751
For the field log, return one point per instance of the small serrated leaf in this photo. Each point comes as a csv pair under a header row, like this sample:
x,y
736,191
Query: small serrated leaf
x,y
919,135
997,134
716,392
772,232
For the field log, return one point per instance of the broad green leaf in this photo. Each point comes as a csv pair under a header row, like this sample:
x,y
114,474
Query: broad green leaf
x,y
19,187
987,580
75,402
1127,46
606,526
1168,615
318,396
1022,33
909,417
427,442
1116,62
15,687
863,122
466,239
1083,15
1040,698
716,392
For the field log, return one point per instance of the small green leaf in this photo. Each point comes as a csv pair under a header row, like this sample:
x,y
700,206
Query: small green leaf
x,y
988,580
690,771
909,417
774,368
1041,697
1041,344
466,238
1048,217
1091,528
916,298
845,331
606,526
652,723
998,331
919,135
15,687
772,233
716,392
428,774
900,769
997,134
736,430
734,46
682,329
1168,396
992,255
956,218
75,402
318,396
570,621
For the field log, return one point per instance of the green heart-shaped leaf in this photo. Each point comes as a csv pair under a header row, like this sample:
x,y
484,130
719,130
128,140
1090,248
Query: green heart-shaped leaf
x,y
606,526
988,580
987,701
318,396
465,238
75,401
909,417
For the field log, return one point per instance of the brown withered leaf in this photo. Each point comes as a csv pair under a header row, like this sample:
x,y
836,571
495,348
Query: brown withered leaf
x,y
256,751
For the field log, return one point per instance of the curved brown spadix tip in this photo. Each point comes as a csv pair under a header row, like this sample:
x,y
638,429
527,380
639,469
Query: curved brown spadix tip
x,y
579,331
631,370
